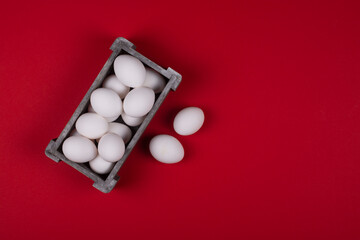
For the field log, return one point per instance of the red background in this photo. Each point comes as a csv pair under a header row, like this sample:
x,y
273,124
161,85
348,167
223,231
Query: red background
x,y
278,155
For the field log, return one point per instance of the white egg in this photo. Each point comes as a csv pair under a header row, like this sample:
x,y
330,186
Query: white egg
x,y
76,133
132,121
129,70
111,147
154,80
99,165
91,125
111,119
122,130
166,149
139,101
79,149
113,83
189,120
106,102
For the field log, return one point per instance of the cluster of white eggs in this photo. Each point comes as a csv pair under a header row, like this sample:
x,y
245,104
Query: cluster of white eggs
x,y
130,93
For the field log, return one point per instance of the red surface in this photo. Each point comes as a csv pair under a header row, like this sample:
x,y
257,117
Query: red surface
x,y
277,158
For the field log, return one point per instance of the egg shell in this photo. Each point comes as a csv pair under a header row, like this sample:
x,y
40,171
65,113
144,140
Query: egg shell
x,y
111,147
129,70
188,121
122,130
99,165
139,101
113,83
76,133
111,119
132,121
166,149
79,149
106,102
154,80
91,125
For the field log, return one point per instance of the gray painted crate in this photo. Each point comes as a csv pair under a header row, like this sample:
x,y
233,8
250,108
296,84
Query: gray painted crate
x,y
106,183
